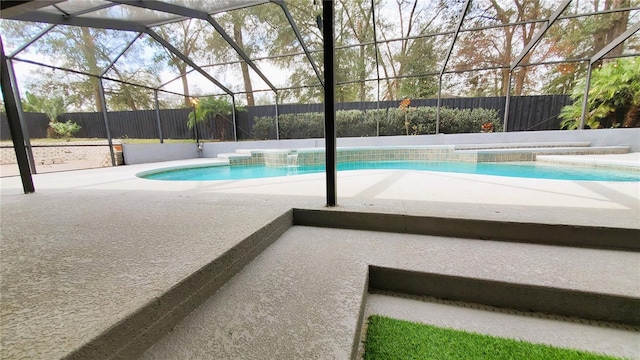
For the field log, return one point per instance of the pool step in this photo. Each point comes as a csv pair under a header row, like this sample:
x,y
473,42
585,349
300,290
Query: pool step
x,y
236,155
600,150
530,154
464,152
629,161
528,145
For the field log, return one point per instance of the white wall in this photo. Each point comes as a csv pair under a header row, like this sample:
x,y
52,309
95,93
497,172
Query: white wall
x,y
146,153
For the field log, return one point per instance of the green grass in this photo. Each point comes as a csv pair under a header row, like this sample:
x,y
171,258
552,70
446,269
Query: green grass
x,y
397,339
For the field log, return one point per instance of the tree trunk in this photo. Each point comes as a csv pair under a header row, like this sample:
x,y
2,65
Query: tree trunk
x,y
506,59
89,53
632,118
618,25
185,85
237,34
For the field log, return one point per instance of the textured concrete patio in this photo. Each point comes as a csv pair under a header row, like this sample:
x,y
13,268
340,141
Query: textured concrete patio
x,y
92,248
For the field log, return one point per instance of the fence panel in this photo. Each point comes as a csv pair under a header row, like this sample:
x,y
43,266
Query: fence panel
x,y
527,113
37,125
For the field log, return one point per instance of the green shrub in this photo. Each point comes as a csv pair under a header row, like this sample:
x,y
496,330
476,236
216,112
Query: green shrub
x,y
356,123
63,129
614,97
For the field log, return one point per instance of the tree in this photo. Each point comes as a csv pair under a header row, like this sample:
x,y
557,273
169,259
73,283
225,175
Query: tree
x,y
413,55
218,108
614,97
499,46
188,37
241,26
86,50
356,26
581,38
352,26
50,106
419,60
122,96
279,39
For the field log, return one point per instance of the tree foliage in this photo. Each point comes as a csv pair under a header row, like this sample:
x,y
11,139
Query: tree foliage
x,y
188,37
89,51
580,38
51,106
216,108
614,97
64,130
406,60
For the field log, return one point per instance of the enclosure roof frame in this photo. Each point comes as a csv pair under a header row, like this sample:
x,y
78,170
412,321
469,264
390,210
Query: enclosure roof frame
x,y
26,13
196,14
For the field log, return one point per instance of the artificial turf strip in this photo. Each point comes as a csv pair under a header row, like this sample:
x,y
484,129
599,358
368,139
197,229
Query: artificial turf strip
x,y
397,339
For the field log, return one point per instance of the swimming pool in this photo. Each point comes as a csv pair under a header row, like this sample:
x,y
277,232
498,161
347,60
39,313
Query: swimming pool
x,y
520,169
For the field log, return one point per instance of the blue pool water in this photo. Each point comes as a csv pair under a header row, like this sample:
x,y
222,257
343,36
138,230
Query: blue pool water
x,y
526,170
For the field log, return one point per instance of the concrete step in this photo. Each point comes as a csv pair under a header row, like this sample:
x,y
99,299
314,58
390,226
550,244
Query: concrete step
x,y
309,286
600,150
304,296
130,336
528,145
628,161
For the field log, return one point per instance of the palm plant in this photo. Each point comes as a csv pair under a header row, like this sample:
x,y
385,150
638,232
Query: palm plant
x,y
52,107
217,108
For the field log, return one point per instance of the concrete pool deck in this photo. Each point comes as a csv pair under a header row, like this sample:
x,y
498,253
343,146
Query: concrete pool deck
x,y
92,247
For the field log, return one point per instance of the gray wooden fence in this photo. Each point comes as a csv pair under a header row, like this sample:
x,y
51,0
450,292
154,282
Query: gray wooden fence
x,y
526,113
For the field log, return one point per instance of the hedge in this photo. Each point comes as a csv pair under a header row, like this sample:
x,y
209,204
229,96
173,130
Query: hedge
x,y
357,123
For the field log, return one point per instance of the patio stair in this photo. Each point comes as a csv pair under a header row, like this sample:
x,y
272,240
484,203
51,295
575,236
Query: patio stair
x,y
301,291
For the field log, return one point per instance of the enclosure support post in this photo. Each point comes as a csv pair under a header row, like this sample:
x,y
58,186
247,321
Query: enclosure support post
x,y
233,116
439,104
507,103
375,46
194,102
14,125
106,122
277,120
329,101
21,118
444,65
155,94
585,98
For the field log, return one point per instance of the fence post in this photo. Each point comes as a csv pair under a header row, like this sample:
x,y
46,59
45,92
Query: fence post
x,y
158,116
106,121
